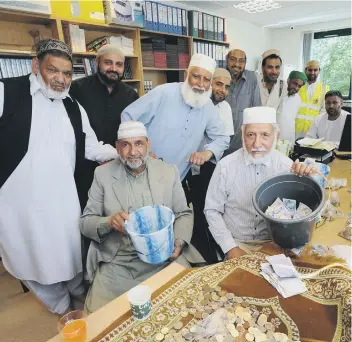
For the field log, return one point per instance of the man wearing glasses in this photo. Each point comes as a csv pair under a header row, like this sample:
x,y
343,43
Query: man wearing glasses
x,y
244,93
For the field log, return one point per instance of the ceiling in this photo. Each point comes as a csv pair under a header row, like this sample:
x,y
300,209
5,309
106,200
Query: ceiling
x,y
292,13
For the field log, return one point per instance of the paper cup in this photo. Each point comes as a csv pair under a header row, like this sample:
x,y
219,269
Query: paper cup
x,y
140,301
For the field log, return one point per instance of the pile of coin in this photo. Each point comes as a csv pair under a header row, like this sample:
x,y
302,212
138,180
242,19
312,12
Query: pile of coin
x,y
243,321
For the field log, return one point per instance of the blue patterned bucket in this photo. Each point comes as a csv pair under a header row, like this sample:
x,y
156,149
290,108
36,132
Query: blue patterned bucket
x,y
152,233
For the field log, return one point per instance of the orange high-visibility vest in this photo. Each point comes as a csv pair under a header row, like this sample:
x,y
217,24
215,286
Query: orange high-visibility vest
x,y
310,108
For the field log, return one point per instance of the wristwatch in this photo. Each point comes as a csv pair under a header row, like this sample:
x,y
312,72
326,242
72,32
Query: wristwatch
x,y
180,243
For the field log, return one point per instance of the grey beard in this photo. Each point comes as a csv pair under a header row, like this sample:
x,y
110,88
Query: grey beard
x,y
50,93
135,167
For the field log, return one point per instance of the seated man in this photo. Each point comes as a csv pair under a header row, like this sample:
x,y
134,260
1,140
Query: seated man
x,y
233,221
330,124
133,181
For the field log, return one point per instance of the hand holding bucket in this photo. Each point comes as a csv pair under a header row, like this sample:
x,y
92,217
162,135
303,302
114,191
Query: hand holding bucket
x,y
152,234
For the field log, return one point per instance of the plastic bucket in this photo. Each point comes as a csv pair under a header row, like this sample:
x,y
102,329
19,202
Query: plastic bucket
x,y
290,233
152,233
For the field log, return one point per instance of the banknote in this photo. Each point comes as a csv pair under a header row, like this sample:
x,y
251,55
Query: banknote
x,y
290,204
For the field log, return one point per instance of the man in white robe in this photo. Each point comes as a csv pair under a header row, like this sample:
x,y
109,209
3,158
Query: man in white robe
x,y
45,135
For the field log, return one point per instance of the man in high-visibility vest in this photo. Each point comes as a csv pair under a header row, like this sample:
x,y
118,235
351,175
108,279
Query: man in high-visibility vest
x,y
312,95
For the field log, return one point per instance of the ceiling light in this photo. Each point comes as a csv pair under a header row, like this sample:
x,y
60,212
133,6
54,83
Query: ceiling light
x,y
257,6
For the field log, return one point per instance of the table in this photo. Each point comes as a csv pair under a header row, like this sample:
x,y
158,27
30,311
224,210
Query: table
x,y
326,234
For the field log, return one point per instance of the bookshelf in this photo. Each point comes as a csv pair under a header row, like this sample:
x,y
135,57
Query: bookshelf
x,y
20,30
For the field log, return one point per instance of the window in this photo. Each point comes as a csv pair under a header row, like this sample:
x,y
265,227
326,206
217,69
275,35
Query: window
x,y
333,50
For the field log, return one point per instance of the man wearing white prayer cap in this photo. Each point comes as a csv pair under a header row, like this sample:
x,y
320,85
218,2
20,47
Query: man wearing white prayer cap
x,y
120,187
233,221
178,115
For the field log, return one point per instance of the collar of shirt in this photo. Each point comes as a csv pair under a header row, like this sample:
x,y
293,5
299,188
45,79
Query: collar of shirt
x,y
243,77
35,86
267,162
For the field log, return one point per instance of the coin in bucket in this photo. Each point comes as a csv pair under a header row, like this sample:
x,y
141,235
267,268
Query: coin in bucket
x,y
73,327
151,230
140,301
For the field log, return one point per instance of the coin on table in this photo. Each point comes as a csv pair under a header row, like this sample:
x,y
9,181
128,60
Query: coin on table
x,y
230,295
228,338
189,336
217,288
245,304
238,300
159,337
268,326
172,332
207,296
240,328
249,337
246,325
184,331
165,330
165,321
184,314
262,319
215,297
178,325
262,329
204,302
247,316
206,287
192,311
205,315
255,314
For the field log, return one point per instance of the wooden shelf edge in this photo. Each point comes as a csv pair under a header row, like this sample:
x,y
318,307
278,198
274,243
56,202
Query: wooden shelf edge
x,y
17,53
162,69
165,33
93,54
133,80
211,41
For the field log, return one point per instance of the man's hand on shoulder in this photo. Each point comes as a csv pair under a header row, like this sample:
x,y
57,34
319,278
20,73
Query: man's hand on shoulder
x,y
235,252
199,158
117,221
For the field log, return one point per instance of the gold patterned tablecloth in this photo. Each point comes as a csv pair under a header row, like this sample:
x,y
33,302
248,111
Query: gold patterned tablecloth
x,y
323,313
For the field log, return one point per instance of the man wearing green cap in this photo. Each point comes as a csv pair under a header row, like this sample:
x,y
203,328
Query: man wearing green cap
x,y
289,106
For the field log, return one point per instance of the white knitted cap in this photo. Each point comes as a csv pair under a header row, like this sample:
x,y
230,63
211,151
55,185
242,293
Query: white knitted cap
x,y
131,129
257,115
202,61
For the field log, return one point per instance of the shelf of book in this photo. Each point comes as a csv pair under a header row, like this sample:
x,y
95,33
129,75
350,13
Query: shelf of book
x,y
211,41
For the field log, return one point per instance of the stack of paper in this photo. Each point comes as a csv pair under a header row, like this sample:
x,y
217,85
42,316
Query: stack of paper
x,y
281,274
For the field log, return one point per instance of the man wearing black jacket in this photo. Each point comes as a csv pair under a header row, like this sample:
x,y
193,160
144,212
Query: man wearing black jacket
x,y
104,97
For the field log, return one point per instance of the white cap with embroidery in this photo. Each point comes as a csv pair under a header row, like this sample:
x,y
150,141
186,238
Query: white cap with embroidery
x,y
131,129
202,61
258,115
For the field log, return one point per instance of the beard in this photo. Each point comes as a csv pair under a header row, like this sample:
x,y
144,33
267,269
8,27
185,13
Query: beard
x,y
258,160
49,92
107,80
135,165
312,78
193,99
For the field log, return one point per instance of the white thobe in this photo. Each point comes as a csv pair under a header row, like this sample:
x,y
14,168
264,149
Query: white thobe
x,y
330,130
272,99
287,117
39,222
225,114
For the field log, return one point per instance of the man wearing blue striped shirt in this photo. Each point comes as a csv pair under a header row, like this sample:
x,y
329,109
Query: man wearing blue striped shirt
x,y
233,221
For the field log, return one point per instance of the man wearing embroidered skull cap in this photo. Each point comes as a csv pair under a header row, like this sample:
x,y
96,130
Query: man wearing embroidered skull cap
x,y
49,136
120,187
233,220
178,116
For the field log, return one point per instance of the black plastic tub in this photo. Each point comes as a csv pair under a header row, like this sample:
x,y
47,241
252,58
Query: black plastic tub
x,y
290,233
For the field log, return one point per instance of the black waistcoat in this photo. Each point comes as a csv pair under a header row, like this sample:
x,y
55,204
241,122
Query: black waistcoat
x,y
15,127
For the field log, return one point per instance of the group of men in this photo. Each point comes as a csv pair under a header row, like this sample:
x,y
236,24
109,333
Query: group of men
x,y
218,126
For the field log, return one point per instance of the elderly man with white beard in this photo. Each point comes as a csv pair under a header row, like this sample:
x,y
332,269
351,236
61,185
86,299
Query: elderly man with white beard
x,y
233,221
179,115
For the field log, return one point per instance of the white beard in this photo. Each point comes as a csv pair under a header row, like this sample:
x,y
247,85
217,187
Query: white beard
x,y
258,160
50,93
192,98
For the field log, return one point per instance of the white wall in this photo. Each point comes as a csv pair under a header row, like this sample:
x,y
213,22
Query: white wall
x,y
252,39
290,42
